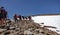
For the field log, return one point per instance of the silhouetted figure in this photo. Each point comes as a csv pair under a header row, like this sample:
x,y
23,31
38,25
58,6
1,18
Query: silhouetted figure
x,y
20,17
15,17
26,18
23,17
3,15
29,17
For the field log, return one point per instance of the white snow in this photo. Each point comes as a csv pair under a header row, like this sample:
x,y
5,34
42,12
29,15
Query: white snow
x,y
51,20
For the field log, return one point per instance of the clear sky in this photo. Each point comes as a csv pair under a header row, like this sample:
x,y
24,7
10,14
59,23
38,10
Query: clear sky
x,y
31,7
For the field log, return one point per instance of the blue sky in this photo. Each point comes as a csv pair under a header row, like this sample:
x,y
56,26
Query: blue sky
x,y
31,7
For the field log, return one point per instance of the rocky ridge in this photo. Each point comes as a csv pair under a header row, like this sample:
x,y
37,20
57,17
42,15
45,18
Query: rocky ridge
x,y
25,27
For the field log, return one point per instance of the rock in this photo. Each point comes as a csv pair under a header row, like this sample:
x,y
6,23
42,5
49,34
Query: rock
x,y
26,27
12,28
28,32
6,33
2,30
37,31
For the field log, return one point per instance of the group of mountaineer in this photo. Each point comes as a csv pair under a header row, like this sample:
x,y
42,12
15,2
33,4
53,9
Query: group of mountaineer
x,y
20,17
3,16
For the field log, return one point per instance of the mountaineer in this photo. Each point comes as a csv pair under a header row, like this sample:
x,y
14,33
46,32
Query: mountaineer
x,y
20,17
29,17
3,16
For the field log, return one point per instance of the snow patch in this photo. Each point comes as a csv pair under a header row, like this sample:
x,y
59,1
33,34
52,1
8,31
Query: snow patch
x,y
48,21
